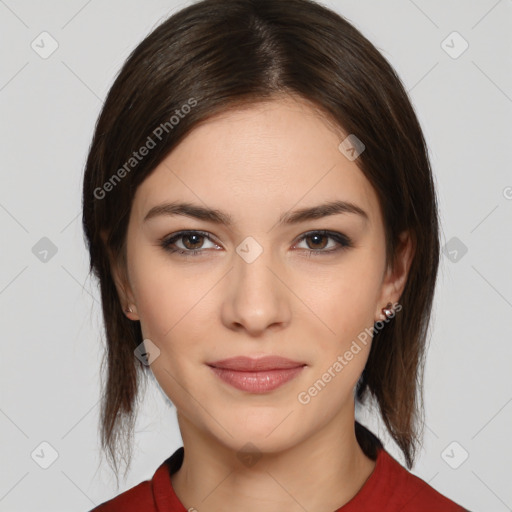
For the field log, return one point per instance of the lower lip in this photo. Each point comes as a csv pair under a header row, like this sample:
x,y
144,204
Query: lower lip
x,y
257,382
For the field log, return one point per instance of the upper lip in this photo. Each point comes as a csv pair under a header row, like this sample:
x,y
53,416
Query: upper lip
x,y
243,363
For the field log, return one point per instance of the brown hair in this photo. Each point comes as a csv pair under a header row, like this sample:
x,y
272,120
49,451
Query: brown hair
x,y
216,55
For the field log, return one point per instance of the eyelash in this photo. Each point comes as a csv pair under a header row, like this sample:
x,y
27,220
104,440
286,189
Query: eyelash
x,y
344,241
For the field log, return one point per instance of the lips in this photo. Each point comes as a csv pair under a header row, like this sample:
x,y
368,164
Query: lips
x,y
248,364
260,375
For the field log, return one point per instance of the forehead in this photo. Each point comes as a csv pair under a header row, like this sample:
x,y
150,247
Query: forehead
x,y
266,156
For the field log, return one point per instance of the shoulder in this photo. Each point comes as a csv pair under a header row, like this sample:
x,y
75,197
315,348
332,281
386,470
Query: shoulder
x,y
149,495
392,487
407,492
139,497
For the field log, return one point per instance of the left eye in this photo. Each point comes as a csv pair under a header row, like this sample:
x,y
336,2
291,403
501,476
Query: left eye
x,y
319,238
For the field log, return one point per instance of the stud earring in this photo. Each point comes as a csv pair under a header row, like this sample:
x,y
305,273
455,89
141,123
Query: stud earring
x,y
387,310
128,310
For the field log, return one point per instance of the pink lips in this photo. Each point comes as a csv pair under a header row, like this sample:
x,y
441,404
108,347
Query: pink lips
x,y
256,375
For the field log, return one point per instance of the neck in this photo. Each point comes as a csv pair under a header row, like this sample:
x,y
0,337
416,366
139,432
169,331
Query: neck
x,y
331,463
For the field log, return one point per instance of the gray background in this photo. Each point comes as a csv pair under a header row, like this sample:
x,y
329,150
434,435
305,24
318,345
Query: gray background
x,y
50,310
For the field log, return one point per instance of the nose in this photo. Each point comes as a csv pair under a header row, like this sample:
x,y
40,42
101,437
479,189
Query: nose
x,y
257,298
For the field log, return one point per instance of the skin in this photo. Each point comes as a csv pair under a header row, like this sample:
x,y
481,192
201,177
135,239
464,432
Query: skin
x,y
255,164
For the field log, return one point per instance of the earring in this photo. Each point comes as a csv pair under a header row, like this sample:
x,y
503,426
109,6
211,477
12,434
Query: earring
x,y
128,310
387,310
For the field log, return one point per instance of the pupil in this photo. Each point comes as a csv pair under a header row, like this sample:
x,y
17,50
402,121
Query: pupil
x,y
316,239
189,237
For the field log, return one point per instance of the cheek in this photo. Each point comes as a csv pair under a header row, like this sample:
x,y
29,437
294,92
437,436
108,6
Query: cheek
x,y
176,309
344,298
166,294
345,304
172,313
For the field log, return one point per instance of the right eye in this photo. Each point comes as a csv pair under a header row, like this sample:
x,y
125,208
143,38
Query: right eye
x,y
192,242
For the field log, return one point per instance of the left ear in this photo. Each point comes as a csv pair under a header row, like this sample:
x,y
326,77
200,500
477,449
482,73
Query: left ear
x,y
395,277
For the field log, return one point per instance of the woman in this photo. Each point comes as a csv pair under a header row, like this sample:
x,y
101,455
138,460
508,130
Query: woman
x,y
260,212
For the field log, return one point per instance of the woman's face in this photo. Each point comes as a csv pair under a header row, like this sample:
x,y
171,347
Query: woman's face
x,y
259,287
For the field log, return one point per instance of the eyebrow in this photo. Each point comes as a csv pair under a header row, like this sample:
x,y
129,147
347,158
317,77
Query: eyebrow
x,y
288,218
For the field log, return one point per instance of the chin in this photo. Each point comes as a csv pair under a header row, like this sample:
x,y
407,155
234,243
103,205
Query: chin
x,y
272,436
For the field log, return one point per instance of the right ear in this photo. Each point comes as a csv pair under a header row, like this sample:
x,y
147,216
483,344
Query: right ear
x,y
118,272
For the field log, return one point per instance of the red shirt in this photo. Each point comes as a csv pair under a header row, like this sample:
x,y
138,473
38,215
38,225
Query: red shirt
x,y
390,488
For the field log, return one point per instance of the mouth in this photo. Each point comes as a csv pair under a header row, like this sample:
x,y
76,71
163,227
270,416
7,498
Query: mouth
x,y
257,375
